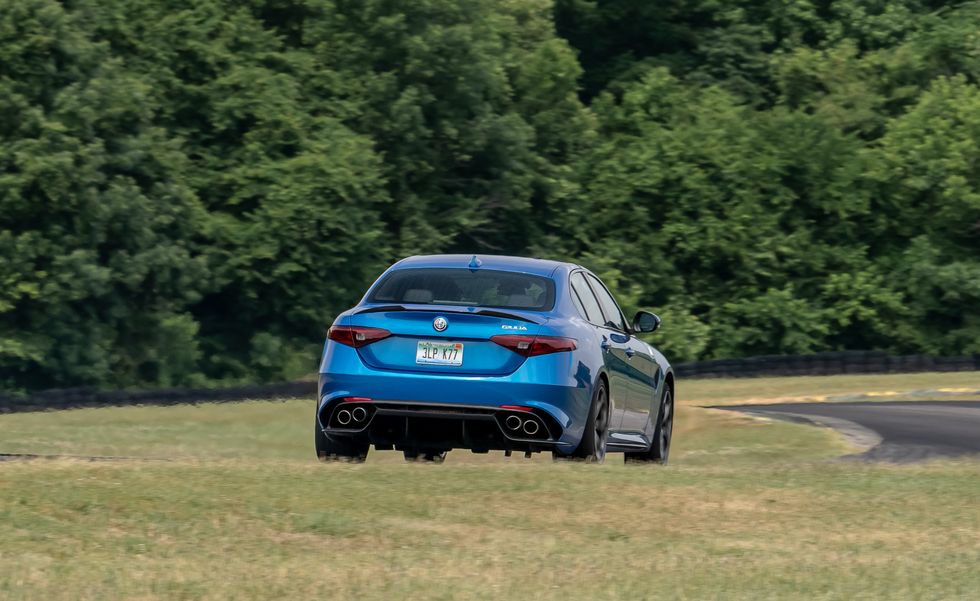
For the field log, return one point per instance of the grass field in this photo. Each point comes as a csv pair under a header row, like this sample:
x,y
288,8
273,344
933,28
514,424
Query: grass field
x,y
922,386
229,504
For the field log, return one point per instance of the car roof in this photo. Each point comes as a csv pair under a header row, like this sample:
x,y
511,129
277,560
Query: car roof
x,y
542,267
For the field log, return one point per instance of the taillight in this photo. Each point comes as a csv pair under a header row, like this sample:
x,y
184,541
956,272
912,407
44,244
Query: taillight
x,y
531,346
356,336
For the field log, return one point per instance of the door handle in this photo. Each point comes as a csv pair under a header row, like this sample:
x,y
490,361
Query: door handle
x,y
630,352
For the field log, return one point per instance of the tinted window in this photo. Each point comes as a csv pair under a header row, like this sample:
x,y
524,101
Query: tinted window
x,y
613,317
471,288
590,306
578,304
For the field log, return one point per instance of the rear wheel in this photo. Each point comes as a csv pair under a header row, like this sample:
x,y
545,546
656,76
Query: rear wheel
x,y
592,449
660,447
337,449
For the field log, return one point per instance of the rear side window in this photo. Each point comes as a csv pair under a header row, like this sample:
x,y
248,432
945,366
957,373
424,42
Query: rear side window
x,y
471,288
584,299
614,317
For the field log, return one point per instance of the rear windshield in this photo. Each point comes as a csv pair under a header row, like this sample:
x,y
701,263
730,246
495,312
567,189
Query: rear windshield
x,y
471,288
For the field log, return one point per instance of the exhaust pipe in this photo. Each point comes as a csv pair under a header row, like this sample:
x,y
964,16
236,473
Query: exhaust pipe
x,y
359,414
513,423
531,427
343,417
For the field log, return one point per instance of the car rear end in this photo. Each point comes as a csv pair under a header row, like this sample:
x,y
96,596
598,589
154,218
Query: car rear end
x,y
449,355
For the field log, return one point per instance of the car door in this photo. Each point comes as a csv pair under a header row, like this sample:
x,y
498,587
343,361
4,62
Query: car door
x,y
613,346
616,340
639,415
636,366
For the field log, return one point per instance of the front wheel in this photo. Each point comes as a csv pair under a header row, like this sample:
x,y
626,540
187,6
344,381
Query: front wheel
x,y
660,447
333,449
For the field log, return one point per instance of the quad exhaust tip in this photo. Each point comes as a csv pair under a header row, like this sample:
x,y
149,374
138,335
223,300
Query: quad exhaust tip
x,y
359,414
344,417
531,427
513,423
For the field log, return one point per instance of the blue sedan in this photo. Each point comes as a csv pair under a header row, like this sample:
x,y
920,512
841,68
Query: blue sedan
x,y
492,353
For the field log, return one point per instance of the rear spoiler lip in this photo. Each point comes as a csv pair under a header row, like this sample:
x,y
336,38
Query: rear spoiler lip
x,y
485,312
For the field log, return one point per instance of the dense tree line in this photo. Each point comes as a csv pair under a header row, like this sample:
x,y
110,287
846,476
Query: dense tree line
x,y
190,190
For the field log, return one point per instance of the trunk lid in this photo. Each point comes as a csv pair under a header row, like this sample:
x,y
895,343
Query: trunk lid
x,y
471,329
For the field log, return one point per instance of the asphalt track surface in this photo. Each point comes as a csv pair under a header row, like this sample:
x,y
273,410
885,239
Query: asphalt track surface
x,y
900,431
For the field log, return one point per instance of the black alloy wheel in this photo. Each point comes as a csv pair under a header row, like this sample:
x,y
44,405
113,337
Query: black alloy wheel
x,y
660,447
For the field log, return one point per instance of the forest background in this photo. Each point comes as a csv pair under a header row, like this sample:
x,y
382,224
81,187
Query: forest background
x,y
191,190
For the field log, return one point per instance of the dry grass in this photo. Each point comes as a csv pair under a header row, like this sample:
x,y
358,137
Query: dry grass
x,y
747,510
227,529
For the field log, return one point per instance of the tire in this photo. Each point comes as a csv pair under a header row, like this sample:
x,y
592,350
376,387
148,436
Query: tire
x,y
428,456
659,449
333,449
592,449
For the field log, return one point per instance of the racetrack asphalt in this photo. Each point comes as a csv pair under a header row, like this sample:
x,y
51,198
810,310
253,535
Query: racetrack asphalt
x,y
899,431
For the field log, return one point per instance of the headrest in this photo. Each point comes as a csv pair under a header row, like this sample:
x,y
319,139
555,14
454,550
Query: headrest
x,y
418,295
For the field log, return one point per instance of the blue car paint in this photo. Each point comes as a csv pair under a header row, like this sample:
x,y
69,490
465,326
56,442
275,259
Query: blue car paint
x,y
560,384
483,358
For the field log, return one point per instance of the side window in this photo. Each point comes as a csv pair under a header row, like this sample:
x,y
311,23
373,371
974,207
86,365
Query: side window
x,y
578,304
613,316
584,299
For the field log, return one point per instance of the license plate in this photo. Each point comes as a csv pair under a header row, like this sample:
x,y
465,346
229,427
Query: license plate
x,y
439,353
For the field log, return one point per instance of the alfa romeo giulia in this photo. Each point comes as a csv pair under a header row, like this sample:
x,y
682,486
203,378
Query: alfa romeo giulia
x,y
492,353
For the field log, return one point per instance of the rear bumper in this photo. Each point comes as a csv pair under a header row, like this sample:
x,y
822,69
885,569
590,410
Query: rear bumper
x,y
390,424
459,403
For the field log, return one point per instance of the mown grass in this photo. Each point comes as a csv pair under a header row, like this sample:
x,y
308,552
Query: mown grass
x,y
239,510
922,386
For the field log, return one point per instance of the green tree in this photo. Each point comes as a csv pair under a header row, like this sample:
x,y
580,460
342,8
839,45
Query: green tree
x,y
723,210
474,105
190,190
927,204
97,223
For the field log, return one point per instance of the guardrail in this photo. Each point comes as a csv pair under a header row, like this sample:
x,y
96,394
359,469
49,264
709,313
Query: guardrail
x,y
824,364
818,364
74,398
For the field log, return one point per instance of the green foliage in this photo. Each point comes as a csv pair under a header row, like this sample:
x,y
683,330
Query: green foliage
x,y
99,226
825,200
928,181
190,191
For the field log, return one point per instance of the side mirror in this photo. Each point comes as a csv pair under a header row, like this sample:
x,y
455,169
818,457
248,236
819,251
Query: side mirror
x,y
645,322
